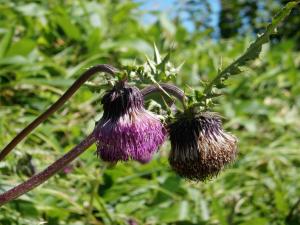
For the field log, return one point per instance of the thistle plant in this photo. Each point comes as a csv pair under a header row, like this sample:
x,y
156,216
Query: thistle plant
x,y
200,148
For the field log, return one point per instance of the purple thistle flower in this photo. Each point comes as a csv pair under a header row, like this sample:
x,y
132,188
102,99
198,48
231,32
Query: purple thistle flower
x,y
200,148
127,130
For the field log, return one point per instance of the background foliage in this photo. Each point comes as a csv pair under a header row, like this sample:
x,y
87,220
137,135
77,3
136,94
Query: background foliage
x,y
45,45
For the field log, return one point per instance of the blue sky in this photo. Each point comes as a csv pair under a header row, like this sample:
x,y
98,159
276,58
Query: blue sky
x,y
168,5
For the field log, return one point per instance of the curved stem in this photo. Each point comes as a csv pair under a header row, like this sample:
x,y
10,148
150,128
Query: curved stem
x,y
169,88
75,86
41,177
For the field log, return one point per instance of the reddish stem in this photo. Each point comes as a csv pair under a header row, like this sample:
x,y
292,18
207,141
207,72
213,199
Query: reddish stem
x,y
75,86
169,88
41,177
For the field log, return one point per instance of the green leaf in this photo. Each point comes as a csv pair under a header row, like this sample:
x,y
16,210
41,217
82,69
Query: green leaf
x,y
157,58
26,208
22,47
162,64
68,27
6,42
281,203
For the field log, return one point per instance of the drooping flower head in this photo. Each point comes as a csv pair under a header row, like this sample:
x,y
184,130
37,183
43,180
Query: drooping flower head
x,y
200,148
127,130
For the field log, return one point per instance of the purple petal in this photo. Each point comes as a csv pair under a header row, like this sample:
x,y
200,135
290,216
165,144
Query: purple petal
x,y
136,135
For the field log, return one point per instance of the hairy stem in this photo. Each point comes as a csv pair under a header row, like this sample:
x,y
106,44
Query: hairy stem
x,y
43,176
75,86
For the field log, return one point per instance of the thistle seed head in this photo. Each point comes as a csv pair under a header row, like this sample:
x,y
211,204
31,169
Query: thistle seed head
x,y
200,148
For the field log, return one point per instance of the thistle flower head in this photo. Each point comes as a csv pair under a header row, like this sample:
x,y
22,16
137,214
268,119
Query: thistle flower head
x,y
200,148
127,130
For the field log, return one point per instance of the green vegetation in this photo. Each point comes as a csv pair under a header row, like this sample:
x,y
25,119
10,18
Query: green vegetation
x,y
44,46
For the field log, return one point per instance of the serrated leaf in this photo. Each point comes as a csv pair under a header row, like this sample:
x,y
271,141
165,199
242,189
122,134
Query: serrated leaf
x,y
163,63
157,58
151,65
235,70
252,51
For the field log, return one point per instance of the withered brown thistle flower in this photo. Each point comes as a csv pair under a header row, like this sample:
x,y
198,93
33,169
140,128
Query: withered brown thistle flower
x,y
200,148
